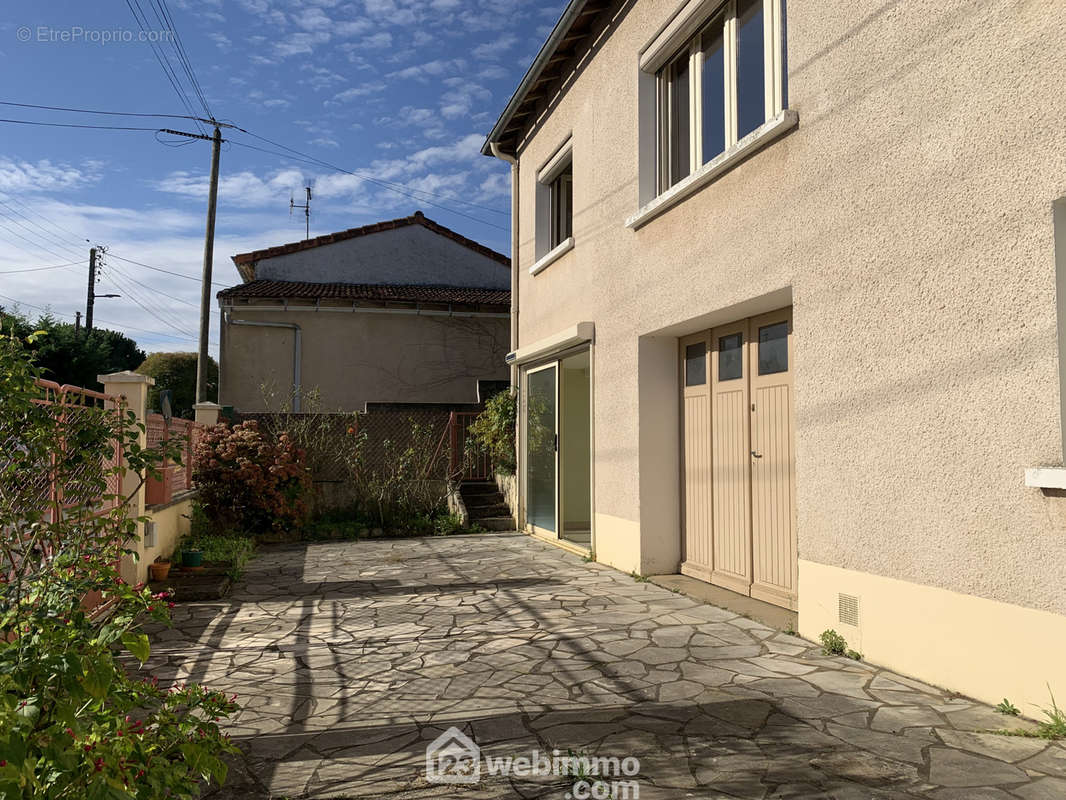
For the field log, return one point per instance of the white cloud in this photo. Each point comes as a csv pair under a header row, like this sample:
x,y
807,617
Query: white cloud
x,y
44,176
494,49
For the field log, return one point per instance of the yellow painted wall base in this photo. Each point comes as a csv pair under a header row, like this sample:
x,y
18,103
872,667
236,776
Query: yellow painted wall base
x,y
617,542
171,523
981,648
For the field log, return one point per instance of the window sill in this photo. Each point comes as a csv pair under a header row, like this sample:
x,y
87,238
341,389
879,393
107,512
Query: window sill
x,y
553,255
1046,477
758,138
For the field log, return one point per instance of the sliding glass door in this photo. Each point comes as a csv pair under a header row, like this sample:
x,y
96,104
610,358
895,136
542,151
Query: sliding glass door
x,y
542,447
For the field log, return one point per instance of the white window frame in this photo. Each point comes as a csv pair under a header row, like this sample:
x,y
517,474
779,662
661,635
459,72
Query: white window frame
x,y
549,244
773,101
683,33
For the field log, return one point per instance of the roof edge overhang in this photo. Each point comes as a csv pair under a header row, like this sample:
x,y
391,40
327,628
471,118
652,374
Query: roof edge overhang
x,y
533,74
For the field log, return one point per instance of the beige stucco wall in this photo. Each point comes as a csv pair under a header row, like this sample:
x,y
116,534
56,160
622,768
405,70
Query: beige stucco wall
x,y
908,220
355,358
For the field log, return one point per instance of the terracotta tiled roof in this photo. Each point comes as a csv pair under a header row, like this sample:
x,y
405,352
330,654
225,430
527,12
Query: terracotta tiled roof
x,y
418,218
360,291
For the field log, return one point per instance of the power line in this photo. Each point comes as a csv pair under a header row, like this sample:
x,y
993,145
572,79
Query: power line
x,y
52,222
129,277
25,239
40,269
147,305
183,55
165,271
51,236
161,57
105,321
73,125
94,111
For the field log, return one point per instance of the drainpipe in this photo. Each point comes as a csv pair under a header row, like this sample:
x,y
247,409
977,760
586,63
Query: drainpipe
x,y
295,351
498,152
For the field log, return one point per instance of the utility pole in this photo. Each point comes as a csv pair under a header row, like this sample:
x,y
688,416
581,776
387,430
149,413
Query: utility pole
x,y
91,297
77,322
205,290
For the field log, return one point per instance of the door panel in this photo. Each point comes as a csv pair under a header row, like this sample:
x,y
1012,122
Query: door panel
x,y
773,459
541,448
730,458
696,436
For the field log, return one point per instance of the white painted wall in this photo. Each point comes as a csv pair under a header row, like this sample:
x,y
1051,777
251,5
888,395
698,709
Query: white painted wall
x,y
412,255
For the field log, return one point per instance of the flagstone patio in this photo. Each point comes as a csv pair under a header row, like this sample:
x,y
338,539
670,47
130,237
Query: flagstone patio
x,y
351,657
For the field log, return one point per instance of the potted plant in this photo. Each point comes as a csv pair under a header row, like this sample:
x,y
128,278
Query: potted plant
x,y
192,558
159,569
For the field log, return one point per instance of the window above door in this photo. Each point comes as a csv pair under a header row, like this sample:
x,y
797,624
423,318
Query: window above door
x,y
715,84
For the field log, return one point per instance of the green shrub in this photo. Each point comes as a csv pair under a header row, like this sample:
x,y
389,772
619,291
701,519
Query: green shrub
x,y
74,723
249,481
177,372
833,644
494,430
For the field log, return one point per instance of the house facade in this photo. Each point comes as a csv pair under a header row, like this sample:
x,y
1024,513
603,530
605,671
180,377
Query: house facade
x,y
785,315
400,311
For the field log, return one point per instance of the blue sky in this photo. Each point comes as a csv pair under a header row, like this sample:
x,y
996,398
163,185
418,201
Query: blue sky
x,y
399,90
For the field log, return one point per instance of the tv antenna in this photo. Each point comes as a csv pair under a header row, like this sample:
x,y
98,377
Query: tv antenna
x,y
307,211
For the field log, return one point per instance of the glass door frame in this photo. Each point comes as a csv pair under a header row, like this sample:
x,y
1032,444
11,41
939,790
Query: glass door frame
x,y
553,364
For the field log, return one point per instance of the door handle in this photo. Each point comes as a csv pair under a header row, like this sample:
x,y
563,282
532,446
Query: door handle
x,y
755,455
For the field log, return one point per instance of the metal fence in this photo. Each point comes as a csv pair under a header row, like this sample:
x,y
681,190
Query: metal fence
x,y
159,430
468,460
64,477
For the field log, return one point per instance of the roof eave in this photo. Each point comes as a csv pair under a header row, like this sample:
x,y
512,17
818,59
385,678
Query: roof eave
x,y
559,32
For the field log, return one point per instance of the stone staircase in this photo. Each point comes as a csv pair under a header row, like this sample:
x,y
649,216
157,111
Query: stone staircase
x,y
484,503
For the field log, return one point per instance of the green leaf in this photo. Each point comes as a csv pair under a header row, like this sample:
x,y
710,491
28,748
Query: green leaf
x,y
97,678
137,644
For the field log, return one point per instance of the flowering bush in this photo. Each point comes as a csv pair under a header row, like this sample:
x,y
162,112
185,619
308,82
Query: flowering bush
x,y
249,481
74,723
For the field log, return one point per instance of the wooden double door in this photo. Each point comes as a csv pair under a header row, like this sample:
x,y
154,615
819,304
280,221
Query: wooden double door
x,y
738,504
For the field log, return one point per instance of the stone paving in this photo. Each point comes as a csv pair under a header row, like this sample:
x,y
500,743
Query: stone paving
x,y
349,658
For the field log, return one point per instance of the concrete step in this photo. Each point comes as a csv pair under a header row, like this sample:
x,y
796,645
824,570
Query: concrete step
x,y
495,523
487,499
481,512
470,488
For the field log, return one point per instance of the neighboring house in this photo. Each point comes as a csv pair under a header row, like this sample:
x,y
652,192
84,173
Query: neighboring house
x,y
400,311
786,315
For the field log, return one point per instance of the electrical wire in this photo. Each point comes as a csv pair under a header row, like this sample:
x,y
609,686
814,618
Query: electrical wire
x,y
73,125
146,306
161,58
39,269
129,277
106,322
25,239
51,237
94,111
166,271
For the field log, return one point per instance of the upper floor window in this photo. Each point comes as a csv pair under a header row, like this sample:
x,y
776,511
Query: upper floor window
x,y
724,83
554,226
561,200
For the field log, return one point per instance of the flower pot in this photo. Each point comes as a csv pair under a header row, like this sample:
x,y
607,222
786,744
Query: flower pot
x,y
159,570
192,558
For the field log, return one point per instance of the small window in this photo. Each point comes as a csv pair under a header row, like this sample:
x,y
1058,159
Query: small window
x,y
562,206
773,348
730,357
696,364
676,154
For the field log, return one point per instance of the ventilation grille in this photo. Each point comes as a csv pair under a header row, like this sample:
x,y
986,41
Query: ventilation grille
x,y
848,609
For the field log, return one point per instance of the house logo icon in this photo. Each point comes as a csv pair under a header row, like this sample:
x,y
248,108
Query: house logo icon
x,y
453,758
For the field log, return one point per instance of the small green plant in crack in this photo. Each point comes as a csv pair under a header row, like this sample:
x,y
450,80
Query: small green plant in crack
x,y
1052,728
833,644
790,630
1008,708
589,557
638,577
854,655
